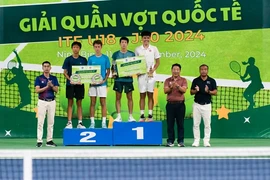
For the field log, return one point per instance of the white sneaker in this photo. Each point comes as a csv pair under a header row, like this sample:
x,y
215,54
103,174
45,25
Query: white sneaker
x,y
92,126
207,144
118,119
131,119
104,125
69,126
196,144
80,126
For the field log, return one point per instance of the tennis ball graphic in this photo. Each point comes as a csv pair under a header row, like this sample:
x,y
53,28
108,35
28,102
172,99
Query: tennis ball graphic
x,y
85,102
124,107
162,99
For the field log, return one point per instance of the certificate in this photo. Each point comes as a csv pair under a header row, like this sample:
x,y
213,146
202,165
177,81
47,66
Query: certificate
x,y
131,66
86,74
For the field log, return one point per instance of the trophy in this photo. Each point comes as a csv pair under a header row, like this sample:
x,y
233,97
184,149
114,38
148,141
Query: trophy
x,y
97,79
75,79
150,68
114,72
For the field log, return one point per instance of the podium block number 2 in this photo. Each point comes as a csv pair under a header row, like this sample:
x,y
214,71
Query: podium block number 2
x,y
87,137
139,132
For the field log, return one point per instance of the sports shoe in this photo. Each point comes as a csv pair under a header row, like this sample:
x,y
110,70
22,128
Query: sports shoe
x,y
80,126
69,125
181,144
150,118
207,144
39,144
104,125
92,125
51,144
142,118
169,144
131,119
196,144
118,119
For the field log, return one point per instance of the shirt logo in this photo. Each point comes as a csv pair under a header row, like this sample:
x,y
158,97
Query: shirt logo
x,y
150,50
42,81
207,82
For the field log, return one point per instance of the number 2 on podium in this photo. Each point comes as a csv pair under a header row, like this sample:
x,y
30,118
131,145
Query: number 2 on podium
x,y
139,131
88,136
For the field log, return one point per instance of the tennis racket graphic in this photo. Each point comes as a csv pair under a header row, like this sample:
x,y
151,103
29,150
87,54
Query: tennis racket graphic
x,y
11,64
235,67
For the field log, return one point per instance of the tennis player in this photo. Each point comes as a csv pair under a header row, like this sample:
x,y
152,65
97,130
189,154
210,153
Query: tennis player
x,y
147,81
123,83
46,85
203,87
99,89
74,90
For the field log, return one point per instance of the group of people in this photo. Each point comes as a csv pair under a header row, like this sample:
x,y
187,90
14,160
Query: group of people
x,y
175,87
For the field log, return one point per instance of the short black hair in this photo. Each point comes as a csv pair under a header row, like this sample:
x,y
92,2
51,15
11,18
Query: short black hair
x,y
76,43
46,62
146,33
97,42
124,38
203,66
176,64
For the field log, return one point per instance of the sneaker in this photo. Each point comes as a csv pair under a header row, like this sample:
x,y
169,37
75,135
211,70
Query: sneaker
x,y
80,126
118,119
69,125
169,144
39,144
142,118
150,118
181,144
207,144
92,125
131,119
196,144
104,125
51,144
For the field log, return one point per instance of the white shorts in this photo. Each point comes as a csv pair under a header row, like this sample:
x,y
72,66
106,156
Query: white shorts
x,y
98,91
146,84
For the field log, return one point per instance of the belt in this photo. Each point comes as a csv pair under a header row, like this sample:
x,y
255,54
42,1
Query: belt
x,y
175,102
48,100
203,103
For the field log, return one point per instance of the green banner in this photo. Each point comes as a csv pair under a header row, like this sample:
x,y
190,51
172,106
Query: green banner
x,y
88,20
231,36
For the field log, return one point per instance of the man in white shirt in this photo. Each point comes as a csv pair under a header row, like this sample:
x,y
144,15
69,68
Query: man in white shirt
x,y
147,81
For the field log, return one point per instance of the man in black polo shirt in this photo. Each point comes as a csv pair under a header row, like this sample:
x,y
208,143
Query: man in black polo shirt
x,y
203,87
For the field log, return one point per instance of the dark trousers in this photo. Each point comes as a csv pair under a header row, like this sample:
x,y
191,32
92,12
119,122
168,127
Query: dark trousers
x,y
175,112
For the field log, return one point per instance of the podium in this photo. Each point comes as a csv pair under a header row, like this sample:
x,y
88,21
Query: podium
x,y
122,133
87,137
137,133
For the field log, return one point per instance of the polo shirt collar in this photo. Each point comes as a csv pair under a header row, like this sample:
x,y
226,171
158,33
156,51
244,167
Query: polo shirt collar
x,y
149,47
178,77
205,79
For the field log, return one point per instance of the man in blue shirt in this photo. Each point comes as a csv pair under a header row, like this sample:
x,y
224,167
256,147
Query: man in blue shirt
x,y
100,89
46,85
123,83
74,90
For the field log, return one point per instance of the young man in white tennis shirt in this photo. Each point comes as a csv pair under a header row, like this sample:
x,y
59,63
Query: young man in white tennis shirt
x,y
146,82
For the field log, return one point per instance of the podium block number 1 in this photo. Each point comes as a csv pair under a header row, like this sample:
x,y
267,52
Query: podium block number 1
x,y
88,136
139,132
